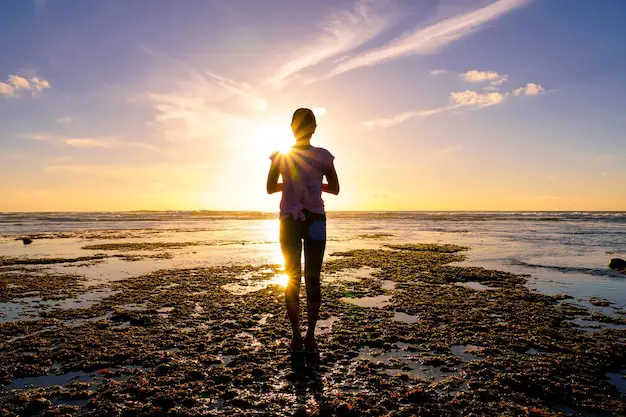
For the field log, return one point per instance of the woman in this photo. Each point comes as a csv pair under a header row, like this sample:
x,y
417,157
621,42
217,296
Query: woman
x,y
302,219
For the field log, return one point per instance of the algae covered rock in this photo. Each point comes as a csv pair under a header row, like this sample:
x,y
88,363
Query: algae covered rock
x,y
617,263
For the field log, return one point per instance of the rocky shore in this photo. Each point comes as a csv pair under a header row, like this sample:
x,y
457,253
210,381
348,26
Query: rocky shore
x,y
413,335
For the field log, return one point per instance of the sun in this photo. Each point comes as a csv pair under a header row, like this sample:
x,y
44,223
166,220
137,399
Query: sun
x,y
278,136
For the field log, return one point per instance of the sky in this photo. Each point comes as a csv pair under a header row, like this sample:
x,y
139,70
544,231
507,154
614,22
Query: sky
x,y
426,105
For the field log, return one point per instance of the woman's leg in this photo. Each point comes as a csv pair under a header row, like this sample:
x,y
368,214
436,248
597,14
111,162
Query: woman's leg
x,y
314,246
291,246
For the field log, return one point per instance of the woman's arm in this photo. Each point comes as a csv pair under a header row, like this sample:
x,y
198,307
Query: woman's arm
x,y
333,182
272,178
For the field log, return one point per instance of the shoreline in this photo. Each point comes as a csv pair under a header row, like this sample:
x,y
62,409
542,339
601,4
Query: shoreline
x,y
180,341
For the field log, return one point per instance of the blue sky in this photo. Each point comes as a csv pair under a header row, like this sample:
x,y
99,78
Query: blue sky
x,y
438,104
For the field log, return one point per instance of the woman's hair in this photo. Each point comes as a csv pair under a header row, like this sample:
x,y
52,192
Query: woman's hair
x,y
303,123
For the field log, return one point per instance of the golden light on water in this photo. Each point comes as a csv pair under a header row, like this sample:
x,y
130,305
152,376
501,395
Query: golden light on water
x,y
282,280
272,228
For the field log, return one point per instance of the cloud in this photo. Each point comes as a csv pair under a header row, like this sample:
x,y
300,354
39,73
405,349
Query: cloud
x,y
343,32
463,99
41,137
473,98
64,120
19,83
439,72
109,142
153,173
16,84
200,104
402,117
530,89
430,39
491,77
39,84
319,111
102,142
467,98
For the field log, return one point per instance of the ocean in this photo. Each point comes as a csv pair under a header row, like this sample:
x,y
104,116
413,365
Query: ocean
x,y
562,252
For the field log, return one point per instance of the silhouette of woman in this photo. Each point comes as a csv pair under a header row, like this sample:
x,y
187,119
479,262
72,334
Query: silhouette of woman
x,y
303,219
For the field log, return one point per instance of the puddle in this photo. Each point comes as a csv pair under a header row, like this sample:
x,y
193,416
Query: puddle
x,y
226,359
74,376
326,326
388,285
25,309
405,318
133,307
477,286
592,325
49,380
167,286
619,380
59,401
401,361
263,319
464,352
253,341
246,287
379,301
405,361
352,275
80,322
29,308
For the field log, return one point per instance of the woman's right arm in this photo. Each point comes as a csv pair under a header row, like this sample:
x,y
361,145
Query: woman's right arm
x,y
272,178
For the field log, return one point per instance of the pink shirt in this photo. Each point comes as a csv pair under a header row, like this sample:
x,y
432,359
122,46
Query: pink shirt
x,y
302,169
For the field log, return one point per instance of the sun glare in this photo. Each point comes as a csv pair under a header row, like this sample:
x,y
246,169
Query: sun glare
x,y
278,136
282,280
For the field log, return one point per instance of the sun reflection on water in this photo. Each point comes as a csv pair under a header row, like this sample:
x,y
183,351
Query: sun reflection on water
x,y
281,280
272,231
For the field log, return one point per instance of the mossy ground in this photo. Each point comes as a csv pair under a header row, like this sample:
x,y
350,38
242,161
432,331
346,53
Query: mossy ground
x,y
176,342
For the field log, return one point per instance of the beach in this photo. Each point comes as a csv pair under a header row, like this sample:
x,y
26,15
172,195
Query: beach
x,y
426,313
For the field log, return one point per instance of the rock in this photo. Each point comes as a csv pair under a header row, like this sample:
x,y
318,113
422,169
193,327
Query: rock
x,y
163,369
617,263
37,404
27,241
416,395
343,410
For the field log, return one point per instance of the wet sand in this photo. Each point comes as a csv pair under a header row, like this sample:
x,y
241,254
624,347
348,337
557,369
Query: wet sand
x,y
403,332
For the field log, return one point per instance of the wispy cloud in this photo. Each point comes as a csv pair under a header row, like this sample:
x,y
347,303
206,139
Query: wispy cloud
x,y
439,72
15,85
41,136
468,99
199,104
430,39
101,142
342,32
154,173
403,117
109,142
65,120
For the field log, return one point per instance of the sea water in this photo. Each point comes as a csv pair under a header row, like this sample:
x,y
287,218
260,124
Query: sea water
x,y
562,252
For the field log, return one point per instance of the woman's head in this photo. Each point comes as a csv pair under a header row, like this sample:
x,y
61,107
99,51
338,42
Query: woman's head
x,y
303,124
